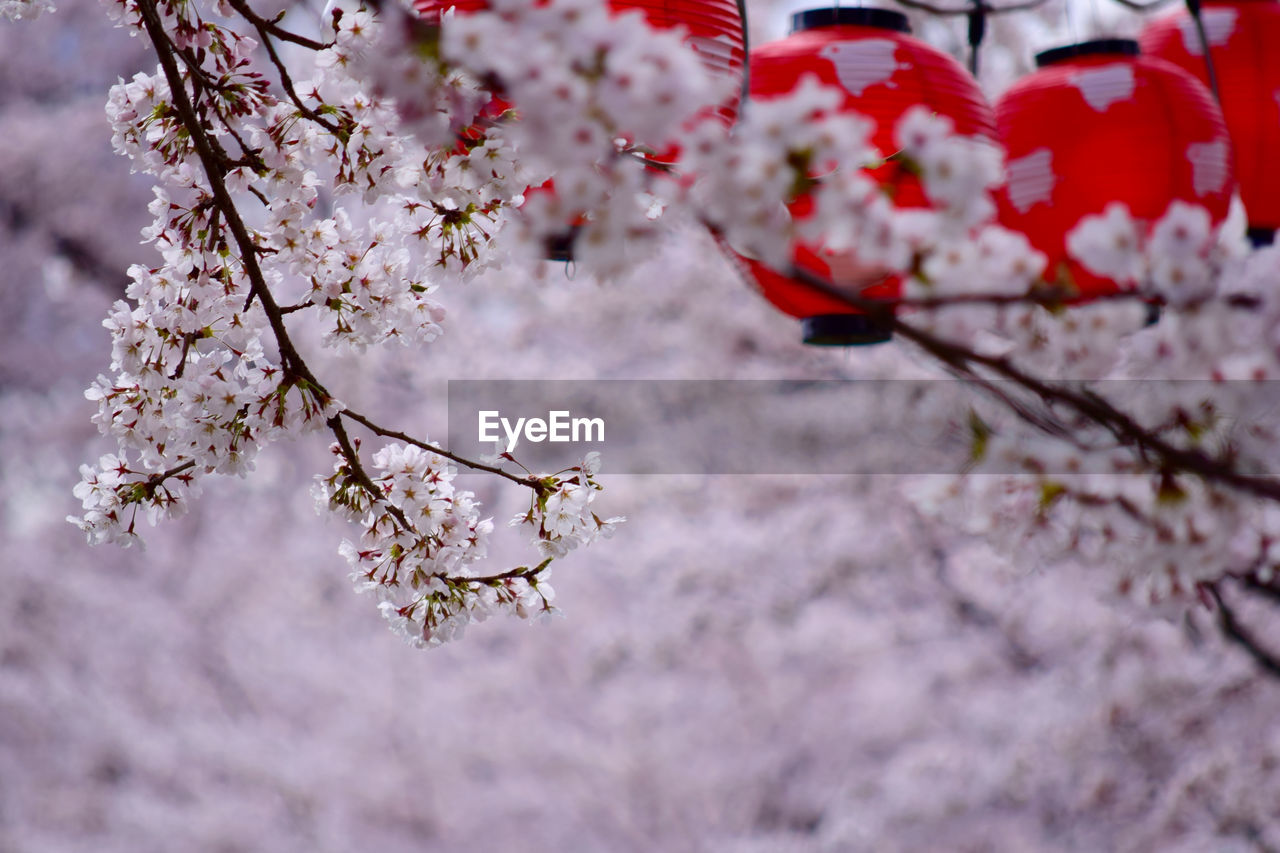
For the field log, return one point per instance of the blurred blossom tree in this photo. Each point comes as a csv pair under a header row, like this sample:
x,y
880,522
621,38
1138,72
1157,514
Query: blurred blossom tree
x,y
316,187
818,665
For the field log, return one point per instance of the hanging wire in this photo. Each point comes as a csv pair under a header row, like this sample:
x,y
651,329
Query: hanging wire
x,y
977,14
977,31
745,91
1193,7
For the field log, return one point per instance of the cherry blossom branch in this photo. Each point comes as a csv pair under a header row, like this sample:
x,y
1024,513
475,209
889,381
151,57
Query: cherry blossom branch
x,y
1053,297
1255,585
266,25
1125,429
519,572
266,30
357,471
215,171
1021,409
361,476
214,163
249,155
1231,628
531,482
158,478
1124,504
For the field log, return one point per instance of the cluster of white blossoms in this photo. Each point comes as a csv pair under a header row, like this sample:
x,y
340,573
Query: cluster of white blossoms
x,y
19,10
420,537
956,250
560,512
586,94
1179,261
288,211
959,173
1156,533
801,146
1158,466
741,178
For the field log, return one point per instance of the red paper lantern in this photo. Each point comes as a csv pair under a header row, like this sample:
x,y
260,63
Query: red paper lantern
x,y
1244,43
1097,123
884,73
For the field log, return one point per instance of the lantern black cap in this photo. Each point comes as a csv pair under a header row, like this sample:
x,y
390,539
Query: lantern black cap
x,y
559,247
1152,314
1098,47
881,19
845,330
1259,237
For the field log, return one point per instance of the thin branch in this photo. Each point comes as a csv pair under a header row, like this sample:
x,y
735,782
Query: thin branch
x,y
1211,73
1125,505
362,477
215,171
266,30
1054,297
365,482
744,90
272,26
1238,634
249,155
1021,409
158,478
1255,585
213,161
518,572
531,482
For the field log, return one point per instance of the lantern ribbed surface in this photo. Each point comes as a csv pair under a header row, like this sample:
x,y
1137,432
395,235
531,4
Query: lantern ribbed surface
x,y
884,72
1098,127
1244,42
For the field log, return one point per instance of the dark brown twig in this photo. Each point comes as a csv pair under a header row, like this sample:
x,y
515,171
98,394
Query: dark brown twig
x,y
215,164
272,26
1241,636
531,482
266,30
